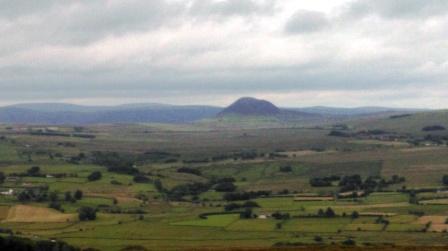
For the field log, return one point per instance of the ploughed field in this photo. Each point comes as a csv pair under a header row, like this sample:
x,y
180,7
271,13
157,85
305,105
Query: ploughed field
x,y
161,187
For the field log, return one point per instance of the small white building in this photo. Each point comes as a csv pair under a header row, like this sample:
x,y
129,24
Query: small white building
x,y
9,192
263,216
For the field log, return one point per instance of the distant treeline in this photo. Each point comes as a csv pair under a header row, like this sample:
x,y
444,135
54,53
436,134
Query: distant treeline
x,y
22,244
61,134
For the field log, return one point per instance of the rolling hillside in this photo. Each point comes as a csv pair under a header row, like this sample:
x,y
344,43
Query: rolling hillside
x,y
405,123
248,111
73,114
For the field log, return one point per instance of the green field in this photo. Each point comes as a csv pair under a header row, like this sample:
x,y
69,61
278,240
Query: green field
x,y
173,194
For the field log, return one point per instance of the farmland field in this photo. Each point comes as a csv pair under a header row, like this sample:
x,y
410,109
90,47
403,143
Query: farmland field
x,y
172,187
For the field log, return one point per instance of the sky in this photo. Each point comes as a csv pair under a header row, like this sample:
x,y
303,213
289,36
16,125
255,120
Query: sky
x,y
295,53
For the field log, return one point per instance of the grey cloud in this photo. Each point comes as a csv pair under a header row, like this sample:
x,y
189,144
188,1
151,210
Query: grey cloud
x,y
228,8
121,17
394,9
304,21
50,50
18,8
82,22
32,24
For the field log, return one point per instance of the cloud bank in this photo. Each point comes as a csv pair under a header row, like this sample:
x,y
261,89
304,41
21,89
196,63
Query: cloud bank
x,y
296,53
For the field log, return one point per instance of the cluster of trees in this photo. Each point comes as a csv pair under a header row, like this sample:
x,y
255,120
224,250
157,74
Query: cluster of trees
x,y
41,194
35,171
77,159
247,214
324,181
115,162
225,186
243,155
280,216
246,155
157,156
55,200
433,128
196,188
189,170
22,244
237,206
335,133
245,195
95,175
445,180
33,194
328,213
141,178
436,139
285,169
355,182
123,164
87,213
179,192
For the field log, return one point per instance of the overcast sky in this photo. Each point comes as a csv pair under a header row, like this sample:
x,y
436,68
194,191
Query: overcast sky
x,y
292,52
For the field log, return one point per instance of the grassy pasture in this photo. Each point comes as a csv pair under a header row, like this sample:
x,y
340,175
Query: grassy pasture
x,y
173,225
211,221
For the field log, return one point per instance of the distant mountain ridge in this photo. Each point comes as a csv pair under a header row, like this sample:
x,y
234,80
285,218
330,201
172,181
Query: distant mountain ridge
x,y
60,114
340,111
70,114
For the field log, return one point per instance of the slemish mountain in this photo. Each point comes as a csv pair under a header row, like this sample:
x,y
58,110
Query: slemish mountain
x,y
251,107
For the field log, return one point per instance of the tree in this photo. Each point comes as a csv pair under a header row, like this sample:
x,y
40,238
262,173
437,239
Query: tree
x,y
158,185
68,196
321,213
355,215
225,187
285,169
140,178
86,214
23,196
413,198
33,171
445,180
330,213
55,205
246,214
2,177
78,195
53,196
349,242
189,170
96,175
280,216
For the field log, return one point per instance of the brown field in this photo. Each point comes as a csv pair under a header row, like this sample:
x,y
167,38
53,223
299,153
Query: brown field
x,y
4,212
317,198
23,213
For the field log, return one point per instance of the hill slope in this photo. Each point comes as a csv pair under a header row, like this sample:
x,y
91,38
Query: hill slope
x,y
405,123
251,107
59,114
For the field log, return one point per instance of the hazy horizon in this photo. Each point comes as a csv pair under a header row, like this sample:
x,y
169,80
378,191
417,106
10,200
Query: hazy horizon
x,y
199,104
